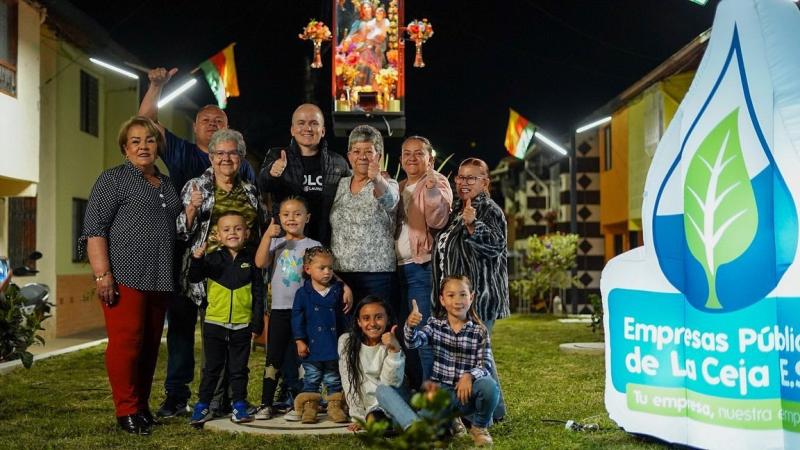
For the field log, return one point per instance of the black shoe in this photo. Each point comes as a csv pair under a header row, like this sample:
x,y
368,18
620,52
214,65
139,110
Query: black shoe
x,y
146,417
132,424
222,411
173,407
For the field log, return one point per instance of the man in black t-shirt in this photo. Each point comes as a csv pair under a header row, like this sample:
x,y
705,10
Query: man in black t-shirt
x,y
305,168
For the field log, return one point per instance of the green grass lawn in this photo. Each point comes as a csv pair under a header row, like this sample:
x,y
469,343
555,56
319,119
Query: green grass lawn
x,y
65,401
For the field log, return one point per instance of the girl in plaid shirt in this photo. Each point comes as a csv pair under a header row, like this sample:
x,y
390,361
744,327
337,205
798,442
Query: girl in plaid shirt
x,y
461,358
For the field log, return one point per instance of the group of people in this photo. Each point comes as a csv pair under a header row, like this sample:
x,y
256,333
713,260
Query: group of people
x,y
342,254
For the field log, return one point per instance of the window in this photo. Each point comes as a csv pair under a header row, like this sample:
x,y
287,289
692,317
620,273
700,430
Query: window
x,y
618,244
78,211
89,104
607,147
8,47
21,231
633,239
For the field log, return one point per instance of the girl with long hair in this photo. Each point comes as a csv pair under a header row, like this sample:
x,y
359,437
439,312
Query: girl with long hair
x,y
369,356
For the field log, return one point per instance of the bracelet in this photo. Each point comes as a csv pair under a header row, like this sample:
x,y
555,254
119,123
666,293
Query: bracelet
x,y
102,275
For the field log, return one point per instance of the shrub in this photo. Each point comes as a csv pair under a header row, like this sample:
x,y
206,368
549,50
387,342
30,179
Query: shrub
x,y
547,265
19,325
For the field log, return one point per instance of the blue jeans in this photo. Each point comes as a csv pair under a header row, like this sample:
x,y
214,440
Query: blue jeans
x,y
182,319
369,283
416,283
500,412
479,407
326,372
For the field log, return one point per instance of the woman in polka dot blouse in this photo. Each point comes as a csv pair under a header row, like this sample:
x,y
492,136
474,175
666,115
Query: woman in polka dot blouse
x,y
129,235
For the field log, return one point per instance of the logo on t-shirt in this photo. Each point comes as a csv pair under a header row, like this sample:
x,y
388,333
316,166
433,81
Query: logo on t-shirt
x,y
312,183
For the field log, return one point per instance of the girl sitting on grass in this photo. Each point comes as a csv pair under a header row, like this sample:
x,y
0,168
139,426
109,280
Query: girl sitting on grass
x,y
461,359
369,355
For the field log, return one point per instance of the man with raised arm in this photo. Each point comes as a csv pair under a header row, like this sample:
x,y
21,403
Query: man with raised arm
x,y
305,168
184,160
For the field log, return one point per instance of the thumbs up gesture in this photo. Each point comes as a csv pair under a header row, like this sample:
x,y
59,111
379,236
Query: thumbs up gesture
x,y
196,199
374,169
389,340
199,251
160,76
430,178
279,165
468,213
274,229
414,317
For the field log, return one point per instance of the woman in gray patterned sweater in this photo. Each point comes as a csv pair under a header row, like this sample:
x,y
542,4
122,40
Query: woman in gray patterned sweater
x,y
363,219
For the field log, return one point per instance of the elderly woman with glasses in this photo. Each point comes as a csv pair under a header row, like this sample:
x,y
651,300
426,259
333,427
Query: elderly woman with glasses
x,y
218,190
363,219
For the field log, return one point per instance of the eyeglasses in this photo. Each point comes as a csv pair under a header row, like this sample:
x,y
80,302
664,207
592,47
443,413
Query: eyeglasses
x,y
233,154
470,180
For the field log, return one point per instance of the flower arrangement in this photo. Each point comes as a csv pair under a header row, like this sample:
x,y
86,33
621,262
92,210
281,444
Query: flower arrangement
x,y
316,32
419,31
386,77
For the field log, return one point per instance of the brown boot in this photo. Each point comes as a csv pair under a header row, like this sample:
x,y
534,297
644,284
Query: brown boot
x,y
337,408
306,405
480,436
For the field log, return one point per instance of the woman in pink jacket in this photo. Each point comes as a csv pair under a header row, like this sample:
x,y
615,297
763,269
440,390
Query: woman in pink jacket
x,y
425,199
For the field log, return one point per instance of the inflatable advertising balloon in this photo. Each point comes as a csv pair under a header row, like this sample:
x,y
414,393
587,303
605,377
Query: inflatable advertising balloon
x,y
703,321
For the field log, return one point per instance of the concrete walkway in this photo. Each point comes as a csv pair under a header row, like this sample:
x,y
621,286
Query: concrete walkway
x,y
59,346
279,425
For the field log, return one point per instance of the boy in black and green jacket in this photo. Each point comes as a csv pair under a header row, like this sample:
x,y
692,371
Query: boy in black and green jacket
x,y
235,292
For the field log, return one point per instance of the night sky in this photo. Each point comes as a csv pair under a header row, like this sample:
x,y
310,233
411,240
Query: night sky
x,y
554,61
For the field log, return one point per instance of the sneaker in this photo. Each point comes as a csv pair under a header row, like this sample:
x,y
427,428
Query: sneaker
x,y
240,414
173,407
284,403
480,436
457,428
292,416
201,415
263,412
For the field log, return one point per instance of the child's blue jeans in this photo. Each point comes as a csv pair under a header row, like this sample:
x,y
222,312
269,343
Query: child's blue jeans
x,y
480,406
326,372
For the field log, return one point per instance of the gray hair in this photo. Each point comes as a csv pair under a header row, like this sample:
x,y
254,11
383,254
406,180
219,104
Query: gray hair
x,y
366,133
227,135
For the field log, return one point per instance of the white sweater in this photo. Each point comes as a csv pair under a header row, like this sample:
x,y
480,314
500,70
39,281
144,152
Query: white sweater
x,y
378,366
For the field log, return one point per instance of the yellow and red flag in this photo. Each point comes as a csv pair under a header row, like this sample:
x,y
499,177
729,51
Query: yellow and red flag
x,y
220,73
519,134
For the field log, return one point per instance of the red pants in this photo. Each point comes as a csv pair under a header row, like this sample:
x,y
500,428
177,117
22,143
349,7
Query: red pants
x,y
134,326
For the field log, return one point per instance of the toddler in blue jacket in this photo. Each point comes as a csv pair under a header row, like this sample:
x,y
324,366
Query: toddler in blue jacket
x,y
317,321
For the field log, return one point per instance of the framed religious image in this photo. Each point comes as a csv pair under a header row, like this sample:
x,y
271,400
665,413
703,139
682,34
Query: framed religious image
x,y
368,50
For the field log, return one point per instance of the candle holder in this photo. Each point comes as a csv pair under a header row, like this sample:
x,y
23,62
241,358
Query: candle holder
x,y
317,32
419,31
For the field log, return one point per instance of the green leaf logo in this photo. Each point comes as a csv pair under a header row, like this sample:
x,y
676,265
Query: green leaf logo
x,y
719,204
